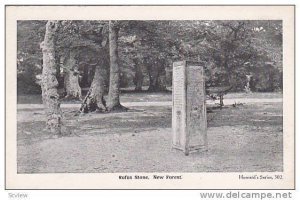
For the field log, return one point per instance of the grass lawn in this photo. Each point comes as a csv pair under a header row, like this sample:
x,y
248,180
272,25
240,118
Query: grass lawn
x,y
245,138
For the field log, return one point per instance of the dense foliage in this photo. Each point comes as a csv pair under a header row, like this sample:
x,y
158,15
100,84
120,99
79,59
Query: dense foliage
x,y
229,50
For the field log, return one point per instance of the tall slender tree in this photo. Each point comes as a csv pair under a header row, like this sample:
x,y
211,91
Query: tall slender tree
x,y
139,76
114,79
49,82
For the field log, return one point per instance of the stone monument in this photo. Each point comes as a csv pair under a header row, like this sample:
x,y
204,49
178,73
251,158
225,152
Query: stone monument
x,y
189,121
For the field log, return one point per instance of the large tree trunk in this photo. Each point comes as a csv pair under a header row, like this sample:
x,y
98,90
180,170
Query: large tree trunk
x,y
49,82
71,80
139,77
60,87
162,80
114,78
157,82
153,80
94,101
232,79
157,77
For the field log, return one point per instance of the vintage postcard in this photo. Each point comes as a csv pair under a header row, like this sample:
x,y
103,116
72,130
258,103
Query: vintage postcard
x,y
150,97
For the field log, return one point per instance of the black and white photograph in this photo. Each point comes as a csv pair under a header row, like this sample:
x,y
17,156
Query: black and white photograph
x,y
148,99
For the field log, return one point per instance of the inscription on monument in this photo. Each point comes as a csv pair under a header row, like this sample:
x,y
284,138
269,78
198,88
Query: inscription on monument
x,y
196,109
178,104
178,94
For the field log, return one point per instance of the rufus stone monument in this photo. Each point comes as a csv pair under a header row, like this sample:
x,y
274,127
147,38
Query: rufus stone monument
x,y
189,121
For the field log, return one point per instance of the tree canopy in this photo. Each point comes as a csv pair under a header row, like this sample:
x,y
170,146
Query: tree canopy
x,y
229,50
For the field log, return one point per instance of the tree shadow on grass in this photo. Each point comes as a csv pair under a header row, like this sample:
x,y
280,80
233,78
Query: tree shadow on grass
x,y
256,115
